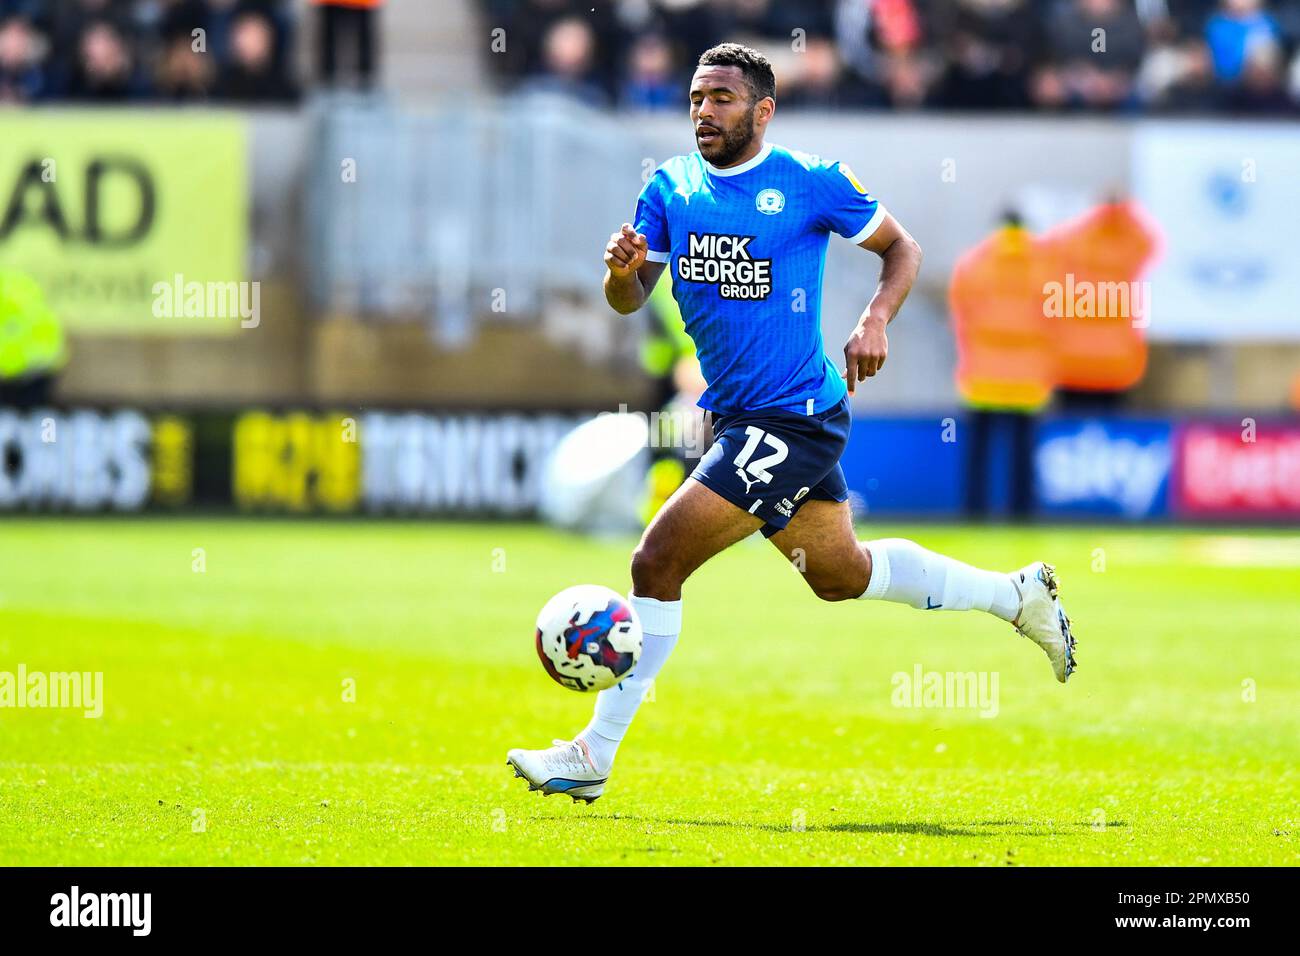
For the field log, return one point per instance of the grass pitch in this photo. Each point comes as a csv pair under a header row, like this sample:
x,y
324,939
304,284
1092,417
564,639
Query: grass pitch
x,y
229,736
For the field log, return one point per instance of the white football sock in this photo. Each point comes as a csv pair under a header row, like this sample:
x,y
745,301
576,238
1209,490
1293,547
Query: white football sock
x,y
907,573
661,623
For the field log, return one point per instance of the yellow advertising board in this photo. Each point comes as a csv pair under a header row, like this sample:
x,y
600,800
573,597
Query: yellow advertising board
x,y
132,221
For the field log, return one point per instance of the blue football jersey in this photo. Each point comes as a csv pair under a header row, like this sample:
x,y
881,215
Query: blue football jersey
x,y
746,247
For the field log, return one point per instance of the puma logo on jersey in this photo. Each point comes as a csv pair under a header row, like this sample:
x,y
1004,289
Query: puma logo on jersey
x,y
749,482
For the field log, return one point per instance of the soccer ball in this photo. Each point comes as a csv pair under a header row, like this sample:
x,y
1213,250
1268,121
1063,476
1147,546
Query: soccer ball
x,y
588,637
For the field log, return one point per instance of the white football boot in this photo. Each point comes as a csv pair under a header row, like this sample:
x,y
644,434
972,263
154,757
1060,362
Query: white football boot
x,y
566,767
1041,617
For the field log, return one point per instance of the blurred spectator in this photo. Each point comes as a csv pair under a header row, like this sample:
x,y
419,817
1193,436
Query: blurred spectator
x,y
613,26
776,20
883,42
692,26
652,83
908,78
253,73
1262,86
1105,30
1173,63
896,25
1188,85
106,67
21,77
988,46
1096,48
1238,26
348,23
67,21
818,80
183,72
568,56
182,18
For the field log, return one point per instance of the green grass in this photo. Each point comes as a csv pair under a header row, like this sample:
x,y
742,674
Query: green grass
x,y
224,694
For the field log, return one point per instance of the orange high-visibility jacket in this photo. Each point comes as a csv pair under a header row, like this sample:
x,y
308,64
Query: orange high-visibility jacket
x,y
1005,358
1099,330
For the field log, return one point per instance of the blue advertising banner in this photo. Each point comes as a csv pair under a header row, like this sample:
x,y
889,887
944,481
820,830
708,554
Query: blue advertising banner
x,y
1106,467
905,465
1084,467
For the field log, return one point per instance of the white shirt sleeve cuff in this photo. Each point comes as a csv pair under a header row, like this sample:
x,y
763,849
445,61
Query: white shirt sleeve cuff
x,y
867,231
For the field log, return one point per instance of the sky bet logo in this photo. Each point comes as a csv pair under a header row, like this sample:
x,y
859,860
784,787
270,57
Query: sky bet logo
x,y
725,261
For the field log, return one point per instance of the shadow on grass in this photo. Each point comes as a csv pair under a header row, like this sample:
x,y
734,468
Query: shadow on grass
x,y
979,828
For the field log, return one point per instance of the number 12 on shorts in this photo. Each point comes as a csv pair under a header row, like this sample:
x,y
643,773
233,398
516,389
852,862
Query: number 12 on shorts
x,y
758,468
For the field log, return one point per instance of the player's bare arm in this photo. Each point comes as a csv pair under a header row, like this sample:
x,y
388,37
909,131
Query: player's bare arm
x,y
631,277
868,345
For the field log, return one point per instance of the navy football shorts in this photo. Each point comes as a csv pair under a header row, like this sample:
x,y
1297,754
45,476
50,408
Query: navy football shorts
x,y
770,461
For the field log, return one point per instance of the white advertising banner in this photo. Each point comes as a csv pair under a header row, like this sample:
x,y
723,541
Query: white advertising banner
x,y
1227,199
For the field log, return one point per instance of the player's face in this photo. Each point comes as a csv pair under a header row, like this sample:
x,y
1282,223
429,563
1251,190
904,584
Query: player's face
x,y
722,112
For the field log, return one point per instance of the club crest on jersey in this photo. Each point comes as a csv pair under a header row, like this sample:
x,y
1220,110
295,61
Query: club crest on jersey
x,y
769,201
725,261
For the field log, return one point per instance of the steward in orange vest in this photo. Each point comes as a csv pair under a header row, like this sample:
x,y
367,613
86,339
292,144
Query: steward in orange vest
x,y
1005,357
1099,309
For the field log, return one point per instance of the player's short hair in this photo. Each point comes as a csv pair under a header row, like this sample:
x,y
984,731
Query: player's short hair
x,y
756,68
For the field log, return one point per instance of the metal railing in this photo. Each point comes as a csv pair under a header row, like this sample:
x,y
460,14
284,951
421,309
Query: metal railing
x,y
464,212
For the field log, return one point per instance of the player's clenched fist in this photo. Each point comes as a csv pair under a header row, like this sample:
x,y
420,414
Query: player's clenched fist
x,y
865,352
626,251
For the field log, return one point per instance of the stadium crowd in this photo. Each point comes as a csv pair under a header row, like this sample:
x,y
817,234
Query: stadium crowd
x,y
159,50
1171,56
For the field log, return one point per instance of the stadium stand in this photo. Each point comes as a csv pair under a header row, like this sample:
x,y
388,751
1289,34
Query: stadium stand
x,y
1154,56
